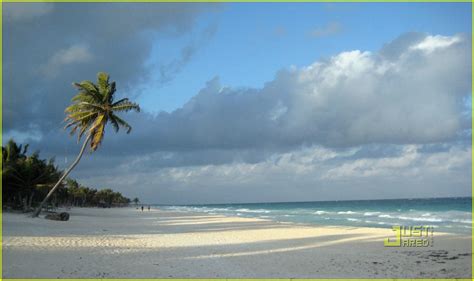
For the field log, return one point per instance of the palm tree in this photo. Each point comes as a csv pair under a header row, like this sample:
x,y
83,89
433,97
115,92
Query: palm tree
x,y
136,200
93,107
25,176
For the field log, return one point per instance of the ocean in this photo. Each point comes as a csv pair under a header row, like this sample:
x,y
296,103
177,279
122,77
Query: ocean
x,y
444,214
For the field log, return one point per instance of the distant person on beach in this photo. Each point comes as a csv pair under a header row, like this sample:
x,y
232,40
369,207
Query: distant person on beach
x,y
148,207
142,208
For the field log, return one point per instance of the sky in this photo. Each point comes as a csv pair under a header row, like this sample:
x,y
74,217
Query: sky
x,y
252,102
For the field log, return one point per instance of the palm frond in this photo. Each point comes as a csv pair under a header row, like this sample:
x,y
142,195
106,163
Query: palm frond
x,y
126,106
93,107
114,123
73,130
88,87
98,136
121,122
97,122
102,83
78,114
88,105
108,97
82,131
85,96
97,131
119,102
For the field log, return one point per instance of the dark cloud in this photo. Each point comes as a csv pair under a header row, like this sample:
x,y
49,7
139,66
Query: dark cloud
x,y
48,46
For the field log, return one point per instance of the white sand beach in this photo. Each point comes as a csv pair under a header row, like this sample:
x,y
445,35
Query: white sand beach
x,y
126,243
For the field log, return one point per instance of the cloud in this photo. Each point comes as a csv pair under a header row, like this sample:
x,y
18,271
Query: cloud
x,y
169,70
369,167
72,55
26,11
383,124
398,95
311,173
74,41
330,29
433,43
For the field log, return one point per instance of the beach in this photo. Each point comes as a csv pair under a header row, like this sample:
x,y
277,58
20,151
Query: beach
x,y
129,243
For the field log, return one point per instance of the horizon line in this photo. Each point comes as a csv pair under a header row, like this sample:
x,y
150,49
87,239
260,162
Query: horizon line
x,y
282,202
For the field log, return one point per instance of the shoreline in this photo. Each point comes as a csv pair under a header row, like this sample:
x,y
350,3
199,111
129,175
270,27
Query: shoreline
x,y
129,243
444,214
304,224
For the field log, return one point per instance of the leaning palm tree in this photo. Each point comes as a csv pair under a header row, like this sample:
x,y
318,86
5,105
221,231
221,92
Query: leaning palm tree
x,y
93,107
136,200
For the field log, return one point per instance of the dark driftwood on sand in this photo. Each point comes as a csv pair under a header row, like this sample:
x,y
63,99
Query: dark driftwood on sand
x,y
58,216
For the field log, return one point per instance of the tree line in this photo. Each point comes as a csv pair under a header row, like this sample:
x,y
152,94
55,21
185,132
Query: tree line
x,y
27,179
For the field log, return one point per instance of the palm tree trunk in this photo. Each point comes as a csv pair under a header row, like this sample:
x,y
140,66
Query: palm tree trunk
x,y
25,203
30,200
38,211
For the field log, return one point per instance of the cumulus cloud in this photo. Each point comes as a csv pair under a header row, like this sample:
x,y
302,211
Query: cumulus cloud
x,y
399,95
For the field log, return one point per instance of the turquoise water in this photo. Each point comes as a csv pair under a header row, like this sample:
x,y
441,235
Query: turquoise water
x,y
445,214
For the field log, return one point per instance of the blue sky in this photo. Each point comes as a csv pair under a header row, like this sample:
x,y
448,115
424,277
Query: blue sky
x,y
253,41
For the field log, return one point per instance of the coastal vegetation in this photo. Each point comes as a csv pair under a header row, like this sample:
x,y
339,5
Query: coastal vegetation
x,y
27,178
